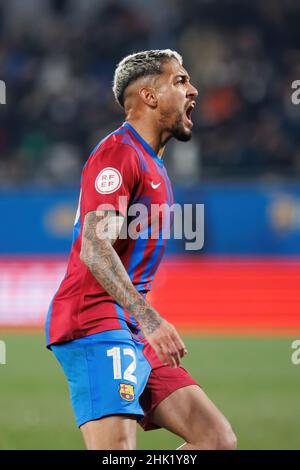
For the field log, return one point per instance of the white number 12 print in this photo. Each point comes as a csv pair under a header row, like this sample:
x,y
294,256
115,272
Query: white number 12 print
x,y
115,353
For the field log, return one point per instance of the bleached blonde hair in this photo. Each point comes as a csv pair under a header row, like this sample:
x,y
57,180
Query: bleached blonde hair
x,y
140,64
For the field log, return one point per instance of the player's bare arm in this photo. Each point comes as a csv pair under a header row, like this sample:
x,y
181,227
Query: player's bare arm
x,y
100,231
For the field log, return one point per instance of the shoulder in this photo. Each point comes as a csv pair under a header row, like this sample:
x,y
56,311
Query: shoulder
x,y
117,147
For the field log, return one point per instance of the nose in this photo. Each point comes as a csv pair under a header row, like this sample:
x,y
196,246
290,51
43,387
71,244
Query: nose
x,y
192,91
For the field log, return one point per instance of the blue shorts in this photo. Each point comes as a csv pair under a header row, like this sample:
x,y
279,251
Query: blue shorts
x,y
106,372
112,373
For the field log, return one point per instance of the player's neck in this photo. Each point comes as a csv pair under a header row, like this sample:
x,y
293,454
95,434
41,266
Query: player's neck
x,y
149,132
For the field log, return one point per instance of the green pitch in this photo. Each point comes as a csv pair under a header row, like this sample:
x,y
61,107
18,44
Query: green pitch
x,y
252,380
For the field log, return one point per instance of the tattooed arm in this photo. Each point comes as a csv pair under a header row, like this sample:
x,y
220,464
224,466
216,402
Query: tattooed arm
x,y
100,231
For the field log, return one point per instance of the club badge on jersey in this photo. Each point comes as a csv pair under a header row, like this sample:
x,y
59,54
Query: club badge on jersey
x,y
127,392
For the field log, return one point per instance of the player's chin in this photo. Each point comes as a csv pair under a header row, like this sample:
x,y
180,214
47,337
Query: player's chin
x,y
183,132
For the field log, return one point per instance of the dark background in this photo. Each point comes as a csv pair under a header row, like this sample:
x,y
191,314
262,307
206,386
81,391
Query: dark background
x,y
57,58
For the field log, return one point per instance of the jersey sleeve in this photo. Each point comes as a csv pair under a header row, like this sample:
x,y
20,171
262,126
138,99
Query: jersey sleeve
x,y
110,178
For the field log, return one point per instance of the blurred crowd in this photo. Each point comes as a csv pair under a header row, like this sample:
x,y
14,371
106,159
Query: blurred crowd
x,y
57,58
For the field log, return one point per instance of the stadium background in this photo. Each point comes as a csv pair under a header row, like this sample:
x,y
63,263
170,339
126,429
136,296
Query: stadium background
x,y
237,300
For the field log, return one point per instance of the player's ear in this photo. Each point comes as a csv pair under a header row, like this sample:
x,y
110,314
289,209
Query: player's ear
x,y
148,95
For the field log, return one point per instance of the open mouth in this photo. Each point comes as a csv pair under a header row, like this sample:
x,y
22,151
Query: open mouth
x,y
188,112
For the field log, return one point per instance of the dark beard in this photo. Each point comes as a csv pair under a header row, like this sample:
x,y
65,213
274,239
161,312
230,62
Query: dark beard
x,y
179,132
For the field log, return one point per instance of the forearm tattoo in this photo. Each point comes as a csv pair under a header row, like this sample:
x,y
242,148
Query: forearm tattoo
x,y
104,263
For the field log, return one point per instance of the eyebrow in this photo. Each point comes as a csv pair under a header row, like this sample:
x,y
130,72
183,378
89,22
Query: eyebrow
x,y
183,75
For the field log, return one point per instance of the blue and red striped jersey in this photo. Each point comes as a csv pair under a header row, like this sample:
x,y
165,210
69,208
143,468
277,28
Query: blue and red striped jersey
x,y
122,171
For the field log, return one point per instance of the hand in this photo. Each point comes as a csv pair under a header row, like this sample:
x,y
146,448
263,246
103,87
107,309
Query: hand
x,y
167,344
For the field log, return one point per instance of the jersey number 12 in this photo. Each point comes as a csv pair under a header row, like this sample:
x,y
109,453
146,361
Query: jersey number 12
x,y
115,353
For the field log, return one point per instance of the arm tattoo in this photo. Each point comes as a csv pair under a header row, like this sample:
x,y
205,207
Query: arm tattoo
x,y
98,254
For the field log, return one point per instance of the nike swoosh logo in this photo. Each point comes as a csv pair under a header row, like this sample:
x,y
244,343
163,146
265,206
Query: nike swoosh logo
x,y
155,186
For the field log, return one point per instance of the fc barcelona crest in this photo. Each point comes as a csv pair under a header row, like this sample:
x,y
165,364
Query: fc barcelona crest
x,y
126,392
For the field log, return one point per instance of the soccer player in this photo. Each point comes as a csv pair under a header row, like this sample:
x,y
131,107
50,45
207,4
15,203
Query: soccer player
x,y
122,359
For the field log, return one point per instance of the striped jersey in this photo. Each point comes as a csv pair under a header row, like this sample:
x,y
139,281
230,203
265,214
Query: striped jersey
x,y
124,174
